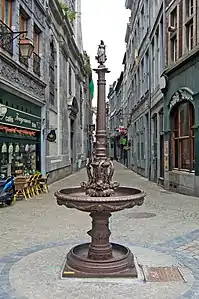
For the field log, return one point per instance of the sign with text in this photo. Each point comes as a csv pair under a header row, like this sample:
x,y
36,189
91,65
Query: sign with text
x,y
13,117
18,131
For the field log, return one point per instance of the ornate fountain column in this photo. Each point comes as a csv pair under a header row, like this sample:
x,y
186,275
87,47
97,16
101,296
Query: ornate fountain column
x,y
100,258
100,170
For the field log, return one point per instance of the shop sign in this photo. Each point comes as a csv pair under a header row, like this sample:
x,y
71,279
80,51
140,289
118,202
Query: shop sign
x,y
51,137
179,96
18,131
13,117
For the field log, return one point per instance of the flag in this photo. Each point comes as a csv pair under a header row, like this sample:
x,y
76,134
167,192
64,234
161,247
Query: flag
x,y
91,87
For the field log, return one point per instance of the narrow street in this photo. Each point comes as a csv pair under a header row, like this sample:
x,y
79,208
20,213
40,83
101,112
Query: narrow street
x,y
37,234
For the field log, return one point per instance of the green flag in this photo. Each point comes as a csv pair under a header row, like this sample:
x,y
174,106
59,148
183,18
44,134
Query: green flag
x,y
91,87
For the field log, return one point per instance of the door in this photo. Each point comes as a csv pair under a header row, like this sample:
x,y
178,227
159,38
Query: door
x,y
155,158
162,156
72,143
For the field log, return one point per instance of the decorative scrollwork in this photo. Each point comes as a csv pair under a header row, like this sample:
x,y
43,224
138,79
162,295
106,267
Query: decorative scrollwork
x,y
100,175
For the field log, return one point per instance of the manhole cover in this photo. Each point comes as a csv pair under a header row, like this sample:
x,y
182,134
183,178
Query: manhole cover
x,y
163,274
141,215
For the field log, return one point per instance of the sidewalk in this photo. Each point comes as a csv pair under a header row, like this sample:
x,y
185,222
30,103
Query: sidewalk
x,y
37,234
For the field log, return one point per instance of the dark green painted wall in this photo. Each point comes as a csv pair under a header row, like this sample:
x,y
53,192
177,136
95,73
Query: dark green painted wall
x,y
185,76
13,101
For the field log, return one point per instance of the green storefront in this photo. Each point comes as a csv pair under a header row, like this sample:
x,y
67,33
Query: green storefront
x,y
181,127
20,132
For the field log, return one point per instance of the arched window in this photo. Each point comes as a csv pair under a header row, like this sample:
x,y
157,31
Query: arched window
x,y
182,137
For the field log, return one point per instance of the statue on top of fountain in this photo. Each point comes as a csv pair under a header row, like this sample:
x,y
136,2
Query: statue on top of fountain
x,y
101,53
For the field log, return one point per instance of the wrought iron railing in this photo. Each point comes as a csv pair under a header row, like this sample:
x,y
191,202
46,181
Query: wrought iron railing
x,y
6,38
23,60
36,64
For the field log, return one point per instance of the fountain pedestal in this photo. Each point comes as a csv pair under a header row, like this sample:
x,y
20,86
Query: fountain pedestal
x,y
100,258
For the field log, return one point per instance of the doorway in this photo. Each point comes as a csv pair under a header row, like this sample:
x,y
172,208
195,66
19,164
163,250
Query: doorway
x,y
72,142
155,158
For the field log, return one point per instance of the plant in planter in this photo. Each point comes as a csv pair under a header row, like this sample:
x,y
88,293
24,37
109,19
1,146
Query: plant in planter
x,y
69,13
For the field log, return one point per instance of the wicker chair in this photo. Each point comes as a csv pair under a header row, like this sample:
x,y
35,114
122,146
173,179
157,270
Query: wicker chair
x,y
21,186
43,183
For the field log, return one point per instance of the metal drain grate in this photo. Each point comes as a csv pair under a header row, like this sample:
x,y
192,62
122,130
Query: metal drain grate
x,y
162,274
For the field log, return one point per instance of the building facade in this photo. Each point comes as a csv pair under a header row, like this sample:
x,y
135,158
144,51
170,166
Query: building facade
x,y
45,100
22,88
145,43
181,98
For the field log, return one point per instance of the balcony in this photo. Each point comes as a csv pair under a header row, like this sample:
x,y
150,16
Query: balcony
x,y
36,64
23,60
6,38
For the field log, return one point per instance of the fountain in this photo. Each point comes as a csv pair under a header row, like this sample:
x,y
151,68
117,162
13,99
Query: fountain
x,y
100,197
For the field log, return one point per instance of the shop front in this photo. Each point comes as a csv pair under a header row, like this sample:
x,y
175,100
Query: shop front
x,y
19,142
181,132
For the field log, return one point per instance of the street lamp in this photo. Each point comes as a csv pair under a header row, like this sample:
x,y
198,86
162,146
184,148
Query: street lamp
x,y
26,47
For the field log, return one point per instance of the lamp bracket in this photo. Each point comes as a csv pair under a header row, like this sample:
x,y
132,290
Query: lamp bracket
x,y
18,33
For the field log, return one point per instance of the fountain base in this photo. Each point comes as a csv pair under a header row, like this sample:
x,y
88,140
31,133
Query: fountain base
x,y
78,264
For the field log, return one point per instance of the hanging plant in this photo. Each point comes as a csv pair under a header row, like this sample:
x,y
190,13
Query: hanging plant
x,y
87,63
71,14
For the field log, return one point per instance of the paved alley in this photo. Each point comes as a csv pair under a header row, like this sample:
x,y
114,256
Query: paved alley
x,y
37,234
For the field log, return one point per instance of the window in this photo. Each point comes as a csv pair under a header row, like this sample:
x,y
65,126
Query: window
x,y
36,58
182,137
52,74
5,24
23,26
189,35
173,18
70,80
23,23
189,8
6,12
189,24
174,49
36,40
173,36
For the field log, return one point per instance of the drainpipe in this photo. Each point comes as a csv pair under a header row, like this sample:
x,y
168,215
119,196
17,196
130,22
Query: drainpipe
x,y
150,81
164,36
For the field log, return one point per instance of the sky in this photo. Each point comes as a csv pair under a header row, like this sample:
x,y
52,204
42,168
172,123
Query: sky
x,y
105,20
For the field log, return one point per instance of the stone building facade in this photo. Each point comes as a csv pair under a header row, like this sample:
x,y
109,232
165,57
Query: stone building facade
x,y
145,41
181,98
52,86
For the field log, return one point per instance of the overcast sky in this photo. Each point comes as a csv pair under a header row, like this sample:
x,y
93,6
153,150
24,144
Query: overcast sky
x,y
106,20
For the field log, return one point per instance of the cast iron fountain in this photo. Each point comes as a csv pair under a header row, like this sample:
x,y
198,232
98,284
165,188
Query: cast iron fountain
x,y
100,197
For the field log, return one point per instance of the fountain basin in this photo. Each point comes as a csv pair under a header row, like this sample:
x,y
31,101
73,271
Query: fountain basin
x,y
100,258
124,198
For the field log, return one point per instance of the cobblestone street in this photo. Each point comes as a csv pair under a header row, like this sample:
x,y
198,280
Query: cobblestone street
x,y
37,234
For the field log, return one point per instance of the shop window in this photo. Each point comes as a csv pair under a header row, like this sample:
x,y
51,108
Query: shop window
x,y
17,159
182,137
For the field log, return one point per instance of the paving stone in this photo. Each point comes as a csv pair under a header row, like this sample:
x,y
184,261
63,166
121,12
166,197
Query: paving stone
x,y
31,229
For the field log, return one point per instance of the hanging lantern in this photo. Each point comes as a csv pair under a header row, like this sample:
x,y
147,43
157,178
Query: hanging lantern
x,y
26,47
